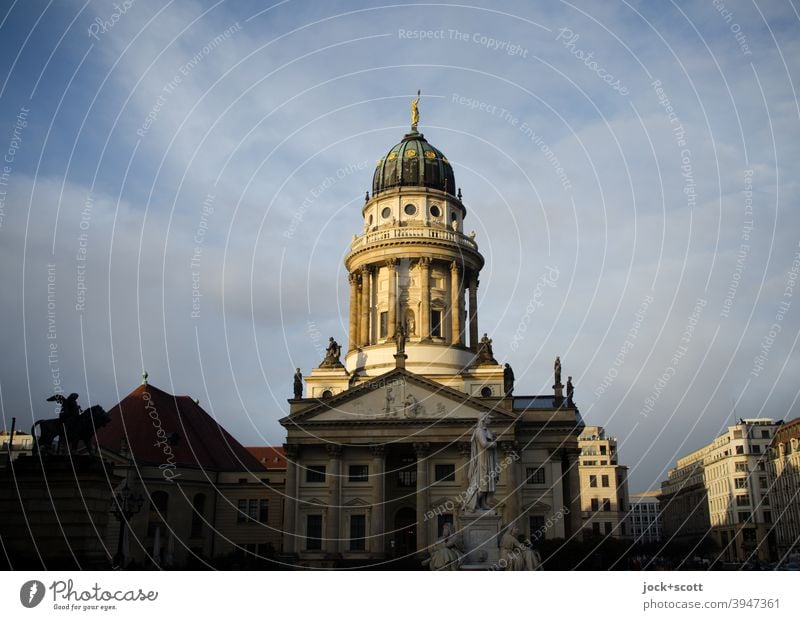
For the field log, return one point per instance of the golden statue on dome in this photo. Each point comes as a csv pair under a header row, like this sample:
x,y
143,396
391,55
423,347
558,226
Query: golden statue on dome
x,y
415,112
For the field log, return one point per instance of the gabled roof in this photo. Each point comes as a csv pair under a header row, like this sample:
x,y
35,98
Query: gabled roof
x,y
190,437
271,457
381,381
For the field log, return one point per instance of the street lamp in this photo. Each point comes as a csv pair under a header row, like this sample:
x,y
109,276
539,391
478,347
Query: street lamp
x,y
125,506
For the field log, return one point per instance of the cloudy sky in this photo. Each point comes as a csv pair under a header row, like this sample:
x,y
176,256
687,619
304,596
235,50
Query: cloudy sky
x,y
180,182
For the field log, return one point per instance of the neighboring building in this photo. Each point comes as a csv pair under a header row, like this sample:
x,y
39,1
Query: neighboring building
x,y
722,489
378,446
22,444
783,465
644,517
205,496
604,485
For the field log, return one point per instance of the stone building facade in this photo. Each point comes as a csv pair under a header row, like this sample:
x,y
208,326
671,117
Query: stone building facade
x,y
783,465
377,447
604,485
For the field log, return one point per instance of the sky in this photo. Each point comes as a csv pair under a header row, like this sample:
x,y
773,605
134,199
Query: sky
x,y
180,182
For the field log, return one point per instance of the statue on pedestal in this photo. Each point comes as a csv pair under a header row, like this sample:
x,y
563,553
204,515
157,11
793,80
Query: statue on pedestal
x,y
332,354
446,554
557,372
298,384
570,392
484,354
483,471
508,380
516,555
401,339
71,427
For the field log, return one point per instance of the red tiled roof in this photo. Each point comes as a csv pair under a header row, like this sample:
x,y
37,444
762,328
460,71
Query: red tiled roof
x,y
200,441
271,457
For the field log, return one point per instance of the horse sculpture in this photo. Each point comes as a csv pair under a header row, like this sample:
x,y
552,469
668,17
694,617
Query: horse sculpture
x,y
81,428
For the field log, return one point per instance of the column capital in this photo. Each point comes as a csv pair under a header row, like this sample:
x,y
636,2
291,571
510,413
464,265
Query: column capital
x,y
424,261
378,451
365,270
334,450
291,450
455,267
508,447
352,278
421,449
391,263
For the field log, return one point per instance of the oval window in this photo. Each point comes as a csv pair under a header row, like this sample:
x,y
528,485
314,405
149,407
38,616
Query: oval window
x,y
410,209
327,394
435,211
486,392
386,213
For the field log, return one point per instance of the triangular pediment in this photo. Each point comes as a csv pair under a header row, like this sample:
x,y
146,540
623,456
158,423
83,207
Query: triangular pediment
x,y
396,396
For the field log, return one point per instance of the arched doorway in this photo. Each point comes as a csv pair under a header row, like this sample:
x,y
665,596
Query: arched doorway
x,y
405,532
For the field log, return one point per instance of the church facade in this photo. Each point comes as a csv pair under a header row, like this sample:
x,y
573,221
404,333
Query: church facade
x,y
378,438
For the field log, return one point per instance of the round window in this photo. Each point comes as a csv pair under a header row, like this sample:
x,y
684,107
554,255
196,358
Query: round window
x,y
386,213
435,211
410,209
327,394
486,392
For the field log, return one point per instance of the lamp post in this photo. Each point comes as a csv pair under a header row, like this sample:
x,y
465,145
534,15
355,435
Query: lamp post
x,y
125,506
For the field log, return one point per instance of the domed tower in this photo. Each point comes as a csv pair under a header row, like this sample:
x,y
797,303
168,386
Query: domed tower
x,y
412,266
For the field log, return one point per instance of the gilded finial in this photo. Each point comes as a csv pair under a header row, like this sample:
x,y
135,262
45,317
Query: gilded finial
x,y
415,112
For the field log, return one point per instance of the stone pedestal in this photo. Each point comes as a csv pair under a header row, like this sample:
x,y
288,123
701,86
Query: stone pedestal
x,y
480,531
54,514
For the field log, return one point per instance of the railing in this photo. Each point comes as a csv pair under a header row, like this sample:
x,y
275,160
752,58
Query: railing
x,y
394,233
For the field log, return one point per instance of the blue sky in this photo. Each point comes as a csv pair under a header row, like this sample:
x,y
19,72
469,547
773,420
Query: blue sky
x,y
119,139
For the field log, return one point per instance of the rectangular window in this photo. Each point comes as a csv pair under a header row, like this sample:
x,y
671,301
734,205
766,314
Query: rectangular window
x,y
263,510
762,481
607,528
536,524
358,473
737,434
384,325
739,449
358,532
436,323
744,517
741,483
440,523
444,472
756,448
314,532
741,467
535,475
252,509
592,481
742,500
603,450
315,473
595,504
607,505
241,512
764,434
590,463
761,466
596,529
767,516
604,480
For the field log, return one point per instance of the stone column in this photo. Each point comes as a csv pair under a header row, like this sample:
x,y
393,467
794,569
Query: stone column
x,y
423,494
455,304
512,481
473,311
290,531
391,317
333,534
366,302
378,476
425,294
353,279
358,310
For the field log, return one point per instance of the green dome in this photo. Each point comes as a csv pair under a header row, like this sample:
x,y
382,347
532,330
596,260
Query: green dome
x,y
414,163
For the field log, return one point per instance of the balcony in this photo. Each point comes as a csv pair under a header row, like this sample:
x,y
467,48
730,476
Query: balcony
x,y
395,233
